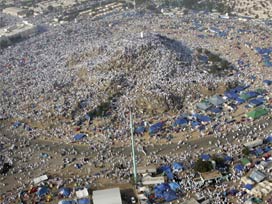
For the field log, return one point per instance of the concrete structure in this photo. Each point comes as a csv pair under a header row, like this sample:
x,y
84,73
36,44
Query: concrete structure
x,y
14,11
109,196
148,180
23,30
211,176
254,143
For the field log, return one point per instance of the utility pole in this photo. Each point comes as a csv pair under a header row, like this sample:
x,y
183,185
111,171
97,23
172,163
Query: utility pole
x,y
133,148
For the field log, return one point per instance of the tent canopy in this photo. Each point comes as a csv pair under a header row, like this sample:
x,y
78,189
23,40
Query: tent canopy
x,y
65,191
79,136
177,166
216,100
248,187
84,201
205,157
155,127
239,168
180,121
257,113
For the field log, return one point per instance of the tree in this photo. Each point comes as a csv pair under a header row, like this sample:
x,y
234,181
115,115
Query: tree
x,y
203,166
246,151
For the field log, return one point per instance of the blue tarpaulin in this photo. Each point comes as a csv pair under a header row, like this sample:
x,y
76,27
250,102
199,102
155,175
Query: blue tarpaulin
x,y
140,130
259,151
180,122
239,167
240,100
205,157
195,124
267,149
248,186
267,82
65,192
42,191
17,124
255,102
159,189
169,196
167,170
177,166
155,128
228,159
268,139
216,110
203,118
174,186
84,201
79,136
67,202
231,95
233,192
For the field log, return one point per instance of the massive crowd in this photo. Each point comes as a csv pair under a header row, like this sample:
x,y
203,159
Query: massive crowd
x,y
41,79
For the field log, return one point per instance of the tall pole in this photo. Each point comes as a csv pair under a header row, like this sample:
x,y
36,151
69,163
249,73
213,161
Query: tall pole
x,y
133,148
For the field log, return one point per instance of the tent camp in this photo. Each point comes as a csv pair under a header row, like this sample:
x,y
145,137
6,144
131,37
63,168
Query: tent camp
x,y
257,113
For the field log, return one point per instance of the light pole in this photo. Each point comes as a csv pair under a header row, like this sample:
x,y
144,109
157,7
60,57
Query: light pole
x,y
133,148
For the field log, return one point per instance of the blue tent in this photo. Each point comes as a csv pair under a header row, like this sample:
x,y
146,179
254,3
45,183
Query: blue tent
x,y
248,186
177,166
169,196
228,159
233,192
204,118
42,191
205,157
267,149
167,170
216,110
195,124
174,186
84,201
140,129
17,124
259,151
65,191
155,128
79,136
67,202
180,122
268,139
159,189
267,82
239,88
255,102
239,167
240,100
252,94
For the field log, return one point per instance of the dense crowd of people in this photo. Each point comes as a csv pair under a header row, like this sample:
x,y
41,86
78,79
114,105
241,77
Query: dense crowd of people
x,y
54,72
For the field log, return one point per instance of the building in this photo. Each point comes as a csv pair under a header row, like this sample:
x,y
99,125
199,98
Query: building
x,y
19,31
14,11
109,196
254,143
213,176
148,180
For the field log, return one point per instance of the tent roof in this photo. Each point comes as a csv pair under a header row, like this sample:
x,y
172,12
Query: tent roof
x,y
257,113
216,100
79,136
109,196
257,176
